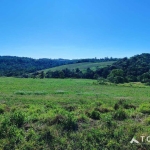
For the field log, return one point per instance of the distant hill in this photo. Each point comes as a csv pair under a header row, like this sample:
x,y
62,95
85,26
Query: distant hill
x,y
82,66
22,66
16,66
135,65
136,68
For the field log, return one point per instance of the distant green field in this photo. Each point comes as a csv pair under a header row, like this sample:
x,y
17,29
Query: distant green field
x,y
82,66
67,114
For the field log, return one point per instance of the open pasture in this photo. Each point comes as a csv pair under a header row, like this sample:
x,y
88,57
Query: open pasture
x,y
72,114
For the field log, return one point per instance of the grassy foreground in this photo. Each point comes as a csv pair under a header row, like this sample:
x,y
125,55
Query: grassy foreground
x,y
72,114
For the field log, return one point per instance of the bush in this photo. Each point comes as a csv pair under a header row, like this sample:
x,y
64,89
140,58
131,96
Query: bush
x,y
145,108
98,103
17,118
147,121
120,115
70,123
128,106
102,81
123,104
95,115
120,104
82,118
113,145
46,135
102,110
2,108
70,108
57,120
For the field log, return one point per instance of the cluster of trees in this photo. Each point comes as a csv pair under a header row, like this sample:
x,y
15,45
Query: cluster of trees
x,y
66,73
136,68
20,66
106,59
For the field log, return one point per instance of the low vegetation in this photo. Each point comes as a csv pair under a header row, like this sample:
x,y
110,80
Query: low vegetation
x,y
72,114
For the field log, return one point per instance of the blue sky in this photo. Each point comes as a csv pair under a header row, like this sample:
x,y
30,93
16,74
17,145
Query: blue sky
x,y
74,28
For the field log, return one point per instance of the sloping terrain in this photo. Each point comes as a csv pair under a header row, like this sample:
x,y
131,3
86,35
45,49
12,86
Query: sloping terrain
x,y
82,66
17,66
136,68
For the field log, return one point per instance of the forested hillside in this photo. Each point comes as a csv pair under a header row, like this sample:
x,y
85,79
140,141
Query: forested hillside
x,y
136,68
21,66
16,66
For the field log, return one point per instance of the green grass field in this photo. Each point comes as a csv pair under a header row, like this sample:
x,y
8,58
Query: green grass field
x,y
82,66
66,114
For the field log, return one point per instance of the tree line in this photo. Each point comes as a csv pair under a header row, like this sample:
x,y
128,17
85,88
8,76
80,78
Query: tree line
x,y
12,66
18,66
134,69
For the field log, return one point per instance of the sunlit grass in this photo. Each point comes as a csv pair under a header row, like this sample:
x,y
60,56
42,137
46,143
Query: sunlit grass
x,y
53,113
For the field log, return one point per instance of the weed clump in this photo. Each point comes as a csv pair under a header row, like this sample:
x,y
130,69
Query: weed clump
x,y
147,121
70,108
95,115
123,104
70,123
145,108
98,103
2,108
46,135
102,109
120,114
17,118
60,92
30,93
57,120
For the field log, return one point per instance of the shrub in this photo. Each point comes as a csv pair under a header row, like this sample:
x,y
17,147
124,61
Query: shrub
x,y
14,134
128,106
109,122
70,108
102,110
113,145
17,118
120,115
30,93
120,104
46,135
57,120
4,127
82,118
61,92
102,81
95,115
145,108
98,103
70,123
2,108
147,121
123,104
116,106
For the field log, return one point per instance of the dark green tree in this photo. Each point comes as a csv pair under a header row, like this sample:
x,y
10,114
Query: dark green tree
x,y
116,76
42,75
